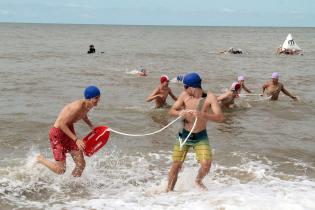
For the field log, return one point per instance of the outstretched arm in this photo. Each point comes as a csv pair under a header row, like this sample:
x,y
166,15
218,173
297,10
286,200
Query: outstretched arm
x,y
153,95
222,97
246,89
288,94
172,95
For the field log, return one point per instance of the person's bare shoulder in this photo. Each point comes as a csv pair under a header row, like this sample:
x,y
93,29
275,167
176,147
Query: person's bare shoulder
x,y
211,96
267,83
76,105
224,96
183,95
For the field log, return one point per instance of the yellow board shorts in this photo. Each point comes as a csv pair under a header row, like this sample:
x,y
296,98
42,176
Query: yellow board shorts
x,y
201,146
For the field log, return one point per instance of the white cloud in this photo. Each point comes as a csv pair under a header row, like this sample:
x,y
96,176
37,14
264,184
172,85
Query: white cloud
x,y
228,10
78,6
85,16
6,12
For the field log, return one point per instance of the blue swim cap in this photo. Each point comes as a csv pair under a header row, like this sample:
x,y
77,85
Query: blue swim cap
x,y
192,80
91,92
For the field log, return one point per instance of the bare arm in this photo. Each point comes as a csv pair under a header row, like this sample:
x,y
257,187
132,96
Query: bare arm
x,y
66,118
222,96
65,128
287,93
172,95
264,88
176,109
87,121
153,95
246,89
212,102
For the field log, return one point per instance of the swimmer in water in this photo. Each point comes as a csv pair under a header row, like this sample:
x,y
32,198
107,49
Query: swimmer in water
x,y
274,87
160,93
226,100
180,78
142,71
91,50
63,138
241,81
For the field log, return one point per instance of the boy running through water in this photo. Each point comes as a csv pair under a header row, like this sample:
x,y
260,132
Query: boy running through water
x,y
194,103
63,138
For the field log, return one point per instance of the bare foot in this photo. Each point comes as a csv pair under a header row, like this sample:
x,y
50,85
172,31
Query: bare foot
x,y
40,158
201,186
168,190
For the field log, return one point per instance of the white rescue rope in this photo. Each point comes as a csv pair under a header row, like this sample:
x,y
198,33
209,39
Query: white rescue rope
x,y
249,94
181,142
146,134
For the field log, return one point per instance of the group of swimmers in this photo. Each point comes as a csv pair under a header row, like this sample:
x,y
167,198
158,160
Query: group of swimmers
x,y
226,100
193,104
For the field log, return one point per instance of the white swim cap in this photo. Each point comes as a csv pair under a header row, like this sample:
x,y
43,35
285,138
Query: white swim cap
x,y
239,78
275,75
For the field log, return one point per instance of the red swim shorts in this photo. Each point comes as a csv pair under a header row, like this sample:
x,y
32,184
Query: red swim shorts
x,y
60,143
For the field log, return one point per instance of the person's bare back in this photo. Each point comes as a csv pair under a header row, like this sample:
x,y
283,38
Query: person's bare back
x,y
72,113
226,100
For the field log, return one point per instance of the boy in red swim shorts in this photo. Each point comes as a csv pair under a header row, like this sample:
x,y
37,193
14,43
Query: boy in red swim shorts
x,y
62,135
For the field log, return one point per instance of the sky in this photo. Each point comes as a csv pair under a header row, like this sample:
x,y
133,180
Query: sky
x,y
284,13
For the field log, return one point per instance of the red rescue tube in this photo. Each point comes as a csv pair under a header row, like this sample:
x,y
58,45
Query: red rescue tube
x,y
95,140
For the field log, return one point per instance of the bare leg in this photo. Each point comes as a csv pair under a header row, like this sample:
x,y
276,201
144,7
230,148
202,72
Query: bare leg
x,y
59,167
203,171
79,161
173,174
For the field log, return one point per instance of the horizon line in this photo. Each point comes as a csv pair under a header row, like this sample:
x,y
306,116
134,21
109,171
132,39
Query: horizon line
x,y
157,25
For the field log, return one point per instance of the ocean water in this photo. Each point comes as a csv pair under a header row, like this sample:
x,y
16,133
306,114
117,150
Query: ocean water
x,y
263,154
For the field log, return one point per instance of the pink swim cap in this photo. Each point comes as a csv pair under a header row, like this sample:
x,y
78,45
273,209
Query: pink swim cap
x,y
235,86
240,78
275,75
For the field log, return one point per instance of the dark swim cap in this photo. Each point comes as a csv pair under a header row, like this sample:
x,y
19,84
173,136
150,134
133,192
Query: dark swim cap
x,y
179,78
192,80
91,92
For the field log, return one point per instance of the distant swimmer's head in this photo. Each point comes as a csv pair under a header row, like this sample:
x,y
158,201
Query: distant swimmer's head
x,y
164,78
141,68
192,80
91,46
180,78
275,75
235,86
241,78
91,92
